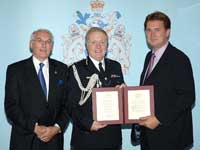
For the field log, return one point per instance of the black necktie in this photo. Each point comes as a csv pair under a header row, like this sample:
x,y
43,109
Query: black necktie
x,y
101,70
42,80
102,75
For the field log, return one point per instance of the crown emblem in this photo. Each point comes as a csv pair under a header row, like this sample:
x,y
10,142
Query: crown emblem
x,y
119,41
97,5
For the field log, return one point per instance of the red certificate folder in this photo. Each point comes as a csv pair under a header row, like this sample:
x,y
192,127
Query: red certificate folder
x,y
119,106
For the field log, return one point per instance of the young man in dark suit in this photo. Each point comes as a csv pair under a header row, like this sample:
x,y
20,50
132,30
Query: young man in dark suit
x,y
88,134
169,71
35,97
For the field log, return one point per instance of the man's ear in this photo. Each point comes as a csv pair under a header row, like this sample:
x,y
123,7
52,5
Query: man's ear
x,y
168,33
107,45
86,45
30,46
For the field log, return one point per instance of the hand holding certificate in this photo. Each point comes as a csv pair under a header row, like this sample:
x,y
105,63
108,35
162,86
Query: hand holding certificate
x,y
118,106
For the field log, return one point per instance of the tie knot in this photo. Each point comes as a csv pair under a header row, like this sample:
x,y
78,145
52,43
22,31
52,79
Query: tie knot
x,y
100,64
153,55
101,67
41,65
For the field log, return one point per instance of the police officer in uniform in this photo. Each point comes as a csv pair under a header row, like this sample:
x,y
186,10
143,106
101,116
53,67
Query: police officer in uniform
x,y
88,134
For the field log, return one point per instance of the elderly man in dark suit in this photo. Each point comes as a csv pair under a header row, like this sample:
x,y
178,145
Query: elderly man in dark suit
x,y
35,97
88,134
170,71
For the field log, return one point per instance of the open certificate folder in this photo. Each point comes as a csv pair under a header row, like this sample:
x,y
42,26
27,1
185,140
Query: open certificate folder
x,y
118,106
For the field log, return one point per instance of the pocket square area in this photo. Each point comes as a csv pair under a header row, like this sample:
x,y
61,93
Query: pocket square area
x,y
60,82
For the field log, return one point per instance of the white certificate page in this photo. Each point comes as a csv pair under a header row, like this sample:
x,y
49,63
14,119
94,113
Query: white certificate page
x,y
107,105
138,103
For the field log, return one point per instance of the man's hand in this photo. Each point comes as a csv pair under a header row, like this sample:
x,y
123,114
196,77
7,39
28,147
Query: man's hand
x,y
120,86
97,125
150,122
51,131
39,130
45,133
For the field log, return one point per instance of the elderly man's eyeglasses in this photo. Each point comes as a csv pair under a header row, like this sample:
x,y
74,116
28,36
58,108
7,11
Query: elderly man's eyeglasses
x,y
49,42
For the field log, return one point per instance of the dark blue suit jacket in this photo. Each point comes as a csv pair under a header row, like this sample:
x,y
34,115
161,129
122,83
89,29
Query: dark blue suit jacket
x,y
82,137
174,96
26,104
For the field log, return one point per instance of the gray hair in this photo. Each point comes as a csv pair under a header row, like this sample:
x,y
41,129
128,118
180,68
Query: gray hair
x,y
95,29
32,38
41,30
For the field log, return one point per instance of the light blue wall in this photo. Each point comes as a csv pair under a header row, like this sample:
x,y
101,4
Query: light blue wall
x,y
19,18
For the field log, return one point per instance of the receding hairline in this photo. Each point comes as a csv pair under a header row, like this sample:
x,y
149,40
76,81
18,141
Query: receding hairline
x,y
34,33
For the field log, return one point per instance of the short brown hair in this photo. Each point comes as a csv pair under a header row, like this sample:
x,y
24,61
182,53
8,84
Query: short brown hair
x,y
158,16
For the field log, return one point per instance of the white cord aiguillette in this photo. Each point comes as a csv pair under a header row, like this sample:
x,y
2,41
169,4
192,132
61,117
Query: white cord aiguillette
x,y
92,82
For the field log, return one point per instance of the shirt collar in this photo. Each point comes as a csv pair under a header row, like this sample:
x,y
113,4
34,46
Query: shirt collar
x,y
158,53
96,63
36,63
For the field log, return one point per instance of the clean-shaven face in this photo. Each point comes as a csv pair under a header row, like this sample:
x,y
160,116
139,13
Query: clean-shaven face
x,y
156,34
41,45
97,45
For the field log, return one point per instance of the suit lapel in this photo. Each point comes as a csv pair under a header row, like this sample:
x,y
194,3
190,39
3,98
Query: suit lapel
x,y
159,65
91,67
31,72
52,81
34,81
33,78
142,80
162,61
107,68
108,72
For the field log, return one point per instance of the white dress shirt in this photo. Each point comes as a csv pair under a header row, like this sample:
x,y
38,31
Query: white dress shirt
x,y
45,71
96,63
